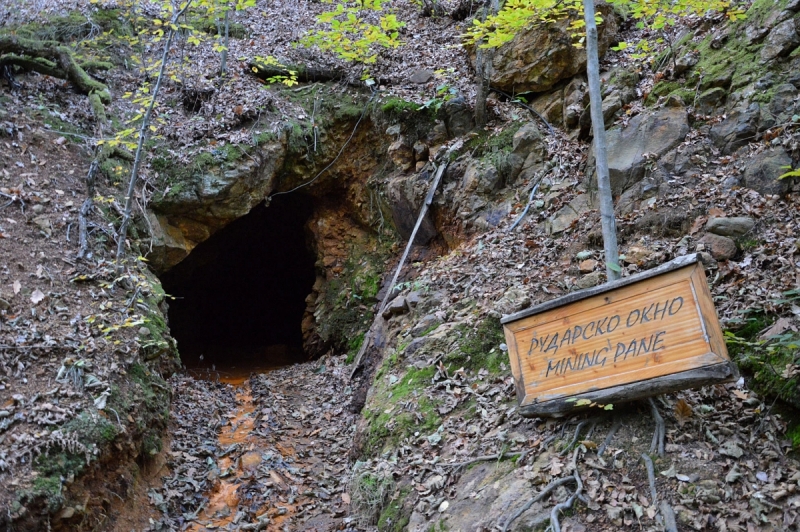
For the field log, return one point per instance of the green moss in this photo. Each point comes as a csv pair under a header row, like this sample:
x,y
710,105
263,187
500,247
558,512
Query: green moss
x,y
59,464
766,360
353,346
386,426
92,429
151,445
398,107
47,489
205,25
393,518
346,298
485,144
479,348
793,435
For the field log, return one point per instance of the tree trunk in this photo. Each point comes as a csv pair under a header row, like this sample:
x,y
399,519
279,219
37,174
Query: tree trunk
x,y
609,226
126,217
483,66
224,69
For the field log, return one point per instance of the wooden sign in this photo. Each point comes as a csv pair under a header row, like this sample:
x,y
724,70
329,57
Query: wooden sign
x,y
640,336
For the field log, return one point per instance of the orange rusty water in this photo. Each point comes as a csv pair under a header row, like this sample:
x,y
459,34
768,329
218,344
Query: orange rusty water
x,y
223,500
224,494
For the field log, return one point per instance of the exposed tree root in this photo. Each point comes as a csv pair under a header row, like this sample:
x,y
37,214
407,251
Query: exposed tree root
x,y
612,431
659,433
541,496
83,214
651,477
558,508
524,106
670,525
591,422
52,59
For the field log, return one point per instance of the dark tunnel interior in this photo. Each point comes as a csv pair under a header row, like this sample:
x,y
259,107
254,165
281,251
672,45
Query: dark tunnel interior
x,y
240,295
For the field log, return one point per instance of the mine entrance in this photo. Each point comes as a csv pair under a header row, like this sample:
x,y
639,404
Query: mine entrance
x,y
240,295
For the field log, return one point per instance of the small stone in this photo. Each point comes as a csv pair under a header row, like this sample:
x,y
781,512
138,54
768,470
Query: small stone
x,y
637,254
43,223
590,280
38,208
398,305
721,248
66,513
421,76
588,266
4,305
729,448
401,155
735,226
413,299
144,331
421,151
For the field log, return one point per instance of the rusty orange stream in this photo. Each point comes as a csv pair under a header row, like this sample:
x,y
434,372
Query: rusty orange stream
x,y
224,499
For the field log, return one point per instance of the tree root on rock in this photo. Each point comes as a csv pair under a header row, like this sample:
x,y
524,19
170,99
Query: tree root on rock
x,y
659,433
592,423
651,477
612,431
542,494
53,59
558,508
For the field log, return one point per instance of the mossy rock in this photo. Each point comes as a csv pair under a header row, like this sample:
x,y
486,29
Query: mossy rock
x,y
479,348
763,362
235,30
386,428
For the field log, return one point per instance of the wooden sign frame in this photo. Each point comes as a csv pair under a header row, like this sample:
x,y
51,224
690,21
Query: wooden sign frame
x,y
651,333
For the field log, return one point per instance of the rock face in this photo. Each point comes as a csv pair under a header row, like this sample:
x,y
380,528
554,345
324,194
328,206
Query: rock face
x,y
781,40
738,129
763,170
646,135
537,59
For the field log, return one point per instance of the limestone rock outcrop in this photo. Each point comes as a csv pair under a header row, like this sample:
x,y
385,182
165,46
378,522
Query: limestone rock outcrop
x,y
536,59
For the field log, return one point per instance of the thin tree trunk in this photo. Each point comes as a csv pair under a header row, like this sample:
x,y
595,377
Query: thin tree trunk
x,y
607,220
224,69
483,66
126,217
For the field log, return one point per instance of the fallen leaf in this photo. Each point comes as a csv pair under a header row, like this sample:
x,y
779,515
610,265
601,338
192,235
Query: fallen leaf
x,y
37,296
682,411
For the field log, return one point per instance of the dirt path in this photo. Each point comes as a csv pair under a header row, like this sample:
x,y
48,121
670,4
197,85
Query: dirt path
x,y
278,458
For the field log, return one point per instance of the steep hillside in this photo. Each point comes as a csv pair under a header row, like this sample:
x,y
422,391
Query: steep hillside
x,y
212,379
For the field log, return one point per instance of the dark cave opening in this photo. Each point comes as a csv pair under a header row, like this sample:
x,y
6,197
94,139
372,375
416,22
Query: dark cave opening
x,y
240,295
